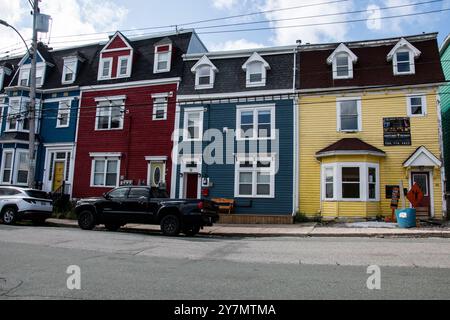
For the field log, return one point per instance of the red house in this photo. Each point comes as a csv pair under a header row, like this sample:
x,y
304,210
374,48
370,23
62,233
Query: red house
x,y
127,112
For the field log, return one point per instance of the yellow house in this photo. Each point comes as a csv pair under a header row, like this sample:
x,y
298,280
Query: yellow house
x,y
369,121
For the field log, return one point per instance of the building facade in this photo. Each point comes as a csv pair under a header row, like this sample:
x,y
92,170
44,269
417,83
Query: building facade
x,y
236,132
377,102
127,112
445,107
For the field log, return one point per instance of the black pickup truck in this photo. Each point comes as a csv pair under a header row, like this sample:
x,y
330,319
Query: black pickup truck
x,y
146,205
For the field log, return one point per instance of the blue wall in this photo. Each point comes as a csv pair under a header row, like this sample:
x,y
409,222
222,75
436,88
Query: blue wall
x,y
223,175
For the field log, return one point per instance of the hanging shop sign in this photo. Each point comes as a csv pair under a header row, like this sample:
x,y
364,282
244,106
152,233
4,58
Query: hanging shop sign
x,y
397,131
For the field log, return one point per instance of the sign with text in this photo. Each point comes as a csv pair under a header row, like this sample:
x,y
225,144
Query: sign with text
x,y
397,131
395,197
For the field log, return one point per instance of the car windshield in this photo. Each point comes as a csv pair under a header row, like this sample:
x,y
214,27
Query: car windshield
x,y
37,194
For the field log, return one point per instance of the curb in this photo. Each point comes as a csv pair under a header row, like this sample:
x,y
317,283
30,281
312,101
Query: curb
x,y
311,234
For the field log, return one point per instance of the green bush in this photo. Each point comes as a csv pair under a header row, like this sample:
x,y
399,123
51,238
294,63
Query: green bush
x,y
301,217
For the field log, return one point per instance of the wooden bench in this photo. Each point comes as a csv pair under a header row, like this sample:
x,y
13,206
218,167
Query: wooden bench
x,y
225,205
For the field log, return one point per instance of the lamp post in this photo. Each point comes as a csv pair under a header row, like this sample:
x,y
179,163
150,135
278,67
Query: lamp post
x,y
31,109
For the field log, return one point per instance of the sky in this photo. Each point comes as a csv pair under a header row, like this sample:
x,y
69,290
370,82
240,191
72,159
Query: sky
x,y
76,22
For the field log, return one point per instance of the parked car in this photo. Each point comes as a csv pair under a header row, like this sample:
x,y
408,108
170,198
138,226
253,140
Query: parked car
x,y
146,205
18,203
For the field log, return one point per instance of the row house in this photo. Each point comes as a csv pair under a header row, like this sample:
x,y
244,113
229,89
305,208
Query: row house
x,y
445,107
369,121
127,111
57,98
236,137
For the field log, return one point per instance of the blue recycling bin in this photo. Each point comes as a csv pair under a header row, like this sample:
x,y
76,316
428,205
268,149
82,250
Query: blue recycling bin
x,y
406,218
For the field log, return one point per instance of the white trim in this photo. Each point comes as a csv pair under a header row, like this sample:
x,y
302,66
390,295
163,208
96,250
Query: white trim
x,y
52,100
162,95
184,171
349,152
363,181
175,138
67,62
128,85
237,95
11,177
56,148
156,158
105,154
129,66
204,62
67,108
101,63
412,65
106,159
241,53
422,150
254,170
149,171
431,186
255,109
156,55
338,113
187,112
423,97
156,106
402,43
110,108
342,50
112,40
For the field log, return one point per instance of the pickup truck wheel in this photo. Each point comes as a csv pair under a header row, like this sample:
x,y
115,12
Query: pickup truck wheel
x,y
170,225
112,226
192,230
86,220
9,215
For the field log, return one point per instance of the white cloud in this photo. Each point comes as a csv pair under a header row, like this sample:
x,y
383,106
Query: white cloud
x,y
373,16
224,4
313,34
235,45
68,17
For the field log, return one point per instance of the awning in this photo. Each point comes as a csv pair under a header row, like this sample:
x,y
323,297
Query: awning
x,y
350,146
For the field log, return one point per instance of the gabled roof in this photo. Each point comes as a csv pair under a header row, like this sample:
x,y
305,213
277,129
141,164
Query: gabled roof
x,y
403,43
422,157
350,146
113,38
204,61
255,57
342,48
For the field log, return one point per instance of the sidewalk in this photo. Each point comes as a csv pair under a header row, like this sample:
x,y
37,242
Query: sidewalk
x,y
294,230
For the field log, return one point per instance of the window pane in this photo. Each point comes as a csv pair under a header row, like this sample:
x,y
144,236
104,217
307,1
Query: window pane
x,y
342,67
245,177
136,193
6,176
350,174
403,57
111,179
118,193
349,123
8,160
98,179
403,67
329,175
99,166
204,71
349,107
116,117
204,80
112,166
245,189
123,66
350,190
246,164
263,189
263,177
106,66
329,192
247,117
416,110
256,77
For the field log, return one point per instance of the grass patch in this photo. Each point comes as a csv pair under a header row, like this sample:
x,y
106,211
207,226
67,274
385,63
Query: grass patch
x,y
301,217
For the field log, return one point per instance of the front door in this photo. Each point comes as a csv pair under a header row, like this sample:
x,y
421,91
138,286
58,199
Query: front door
x,y
423,181
191,186
58,175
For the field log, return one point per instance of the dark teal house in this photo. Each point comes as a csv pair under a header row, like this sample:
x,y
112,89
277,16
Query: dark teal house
x,y
58,76
445,109
237,132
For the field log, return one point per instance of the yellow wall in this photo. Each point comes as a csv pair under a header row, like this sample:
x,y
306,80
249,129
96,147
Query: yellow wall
x,y
317,130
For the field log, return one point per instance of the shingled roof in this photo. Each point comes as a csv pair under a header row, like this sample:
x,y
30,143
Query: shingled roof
x,y
349,145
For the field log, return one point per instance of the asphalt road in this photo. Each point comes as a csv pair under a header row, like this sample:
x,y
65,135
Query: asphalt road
x,y
125,265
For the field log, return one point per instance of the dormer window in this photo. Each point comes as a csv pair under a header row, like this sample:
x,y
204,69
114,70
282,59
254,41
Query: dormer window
x,y
24,76
256,71
342,60
403,57
105,68
205,72
69,70
123,67
40,76
163,54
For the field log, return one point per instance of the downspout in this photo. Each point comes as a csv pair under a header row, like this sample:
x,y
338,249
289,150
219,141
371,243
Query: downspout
x,y
295,139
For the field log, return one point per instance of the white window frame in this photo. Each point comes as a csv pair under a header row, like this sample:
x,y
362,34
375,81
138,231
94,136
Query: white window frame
x,y
100,69
70,66
40,73
212,76
111,104
363,181
409,105
412,65
255,109
262,83
11,177
22,108
63,106
119,62
187,113
349,66
169,60
338,113
24,74
254,170
16,166
160,105
106,159
2,77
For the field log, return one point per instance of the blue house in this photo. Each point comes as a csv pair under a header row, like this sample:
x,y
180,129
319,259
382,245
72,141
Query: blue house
x,y
236,139
58,77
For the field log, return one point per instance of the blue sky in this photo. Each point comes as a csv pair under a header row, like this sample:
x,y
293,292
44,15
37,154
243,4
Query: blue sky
x,y
74,17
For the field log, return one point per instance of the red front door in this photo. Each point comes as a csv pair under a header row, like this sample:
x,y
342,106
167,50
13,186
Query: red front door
x,y
423,180
192,186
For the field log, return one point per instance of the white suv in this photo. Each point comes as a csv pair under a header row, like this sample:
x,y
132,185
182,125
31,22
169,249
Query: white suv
x,y
24,204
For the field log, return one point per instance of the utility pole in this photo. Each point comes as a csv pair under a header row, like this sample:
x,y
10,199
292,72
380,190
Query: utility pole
x,y
32,106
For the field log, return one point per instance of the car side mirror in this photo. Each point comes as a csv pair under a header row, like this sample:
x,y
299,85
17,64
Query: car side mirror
x,y
106,196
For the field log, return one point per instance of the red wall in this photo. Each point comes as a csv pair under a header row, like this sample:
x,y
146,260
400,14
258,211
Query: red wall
x,y
140,137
